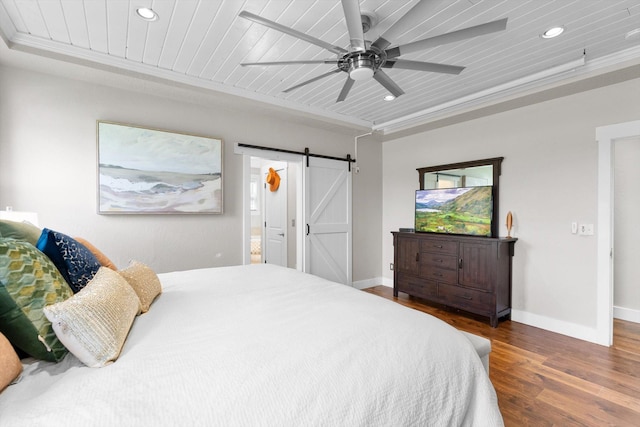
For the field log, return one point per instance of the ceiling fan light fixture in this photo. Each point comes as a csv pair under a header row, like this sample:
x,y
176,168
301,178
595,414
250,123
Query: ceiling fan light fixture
x,y
360,68
552,32
147,14
362,73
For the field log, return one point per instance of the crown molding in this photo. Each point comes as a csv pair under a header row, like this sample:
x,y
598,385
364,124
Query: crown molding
x,y
572,71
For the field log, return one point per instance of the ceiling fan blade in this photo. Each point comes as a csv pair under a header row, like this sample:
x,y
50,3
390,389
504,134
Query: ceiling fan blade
x,y
290,31
345,89
382,78
411,19
354,24
316,78
311,61
433,67
454,36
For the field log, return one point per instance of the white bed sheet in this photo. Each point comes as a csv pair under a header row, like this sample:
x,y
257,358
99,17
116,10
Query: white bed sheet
x,y
266,346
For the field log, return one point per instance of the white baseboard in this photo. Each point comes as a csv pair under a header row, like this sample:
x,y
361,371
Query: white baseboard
x,y
554,325
627,314
368,283
573,330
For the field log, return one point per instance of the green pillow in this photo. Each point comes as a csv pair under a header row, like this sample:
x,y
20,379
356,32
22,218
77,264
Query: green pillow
x,y
19,231
28,282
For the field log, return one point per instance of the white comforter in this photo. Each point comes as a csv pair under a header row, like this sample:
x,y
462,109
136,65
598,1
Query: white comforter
x,y
265,346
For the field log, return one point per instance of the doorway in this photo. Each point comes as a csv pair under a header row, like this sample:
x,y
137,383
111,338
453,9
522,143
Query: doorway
x,y
322,232
273,212
606,137
626,234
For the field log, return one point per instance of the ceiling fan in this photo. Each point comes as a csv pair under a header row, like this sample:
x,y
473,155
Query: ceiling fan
x,y
364,59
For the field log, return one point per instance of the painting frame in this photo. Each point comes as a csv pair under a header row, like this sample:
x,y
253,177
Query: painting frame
x,y
150,171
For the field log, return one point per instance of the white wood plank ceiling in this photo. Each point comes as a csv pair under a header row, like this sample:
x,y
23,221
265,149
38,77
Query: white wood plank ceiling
x,y
203,43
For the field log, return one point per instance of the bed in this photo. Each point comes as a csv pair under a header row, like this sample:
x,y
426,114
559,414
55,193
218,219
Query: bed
x,y
262,345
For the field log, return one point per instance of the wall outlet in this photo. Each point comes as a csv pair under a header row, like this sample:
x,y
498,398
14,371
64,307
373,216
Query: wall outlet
x,y
391,266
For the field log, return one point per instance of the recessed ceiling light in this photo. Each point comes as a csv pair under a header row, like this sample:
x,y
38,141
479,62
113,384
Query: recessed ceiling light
x,y
389,98
552,32
633,34
147,14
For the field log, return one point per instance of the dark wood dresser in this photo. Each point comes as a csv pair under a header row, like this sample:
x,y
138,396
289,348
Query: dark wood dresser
x,y
464,272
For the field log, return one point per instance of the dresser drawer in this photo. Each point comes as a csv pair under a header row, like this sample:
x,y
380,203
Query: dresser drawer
x,y
416,286
464,298
439,274
439,246
447,262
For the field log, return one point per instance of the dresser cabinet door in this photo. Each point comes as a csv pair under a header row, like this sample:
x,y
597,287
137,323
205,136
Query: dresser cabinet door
x,y
407,258
477,265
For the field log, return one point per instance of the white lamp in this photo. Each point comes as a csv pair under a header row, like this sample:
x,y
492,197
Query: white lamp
x,y
17,216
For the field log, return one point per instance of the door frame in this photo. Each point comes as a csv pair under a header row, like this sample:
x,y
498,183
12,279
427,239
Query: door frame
x,y
247,153
606,137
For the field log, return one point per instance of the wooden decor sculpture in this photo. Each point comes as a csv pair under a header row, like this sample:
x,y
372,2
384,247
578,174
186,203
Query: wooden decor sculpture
x,y
509,223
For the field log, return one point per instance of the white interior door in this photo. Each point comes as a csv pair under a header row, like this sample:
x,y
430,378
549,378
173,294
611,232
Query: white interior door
x,y
327,196
275,217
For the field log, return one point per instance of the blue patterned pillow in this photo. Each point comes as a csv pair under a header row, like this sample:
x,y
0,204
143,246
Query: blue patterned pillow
x,y
75,262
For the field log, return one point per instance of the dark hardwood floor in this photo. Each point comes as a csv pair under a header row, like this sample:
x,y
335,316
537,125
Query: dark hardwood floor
x,y
546,379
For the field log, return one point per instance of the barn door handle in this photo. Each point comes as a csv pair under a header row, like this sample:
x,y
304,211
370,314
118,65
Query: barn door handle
x,y
307,229
281,234
460,263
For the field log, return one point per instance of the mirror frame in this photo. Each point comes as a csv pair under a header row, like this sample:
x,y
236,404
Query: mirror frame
x,y
495,162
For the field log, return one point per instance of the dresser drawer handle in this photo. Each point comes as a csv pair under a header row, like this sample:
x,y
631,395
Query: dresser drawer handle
x,y
437,274
467,297
437,246
439,260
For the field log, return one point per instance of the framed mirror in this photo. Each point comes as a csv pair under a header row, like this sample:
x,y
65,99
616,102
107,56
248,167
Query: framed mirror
x,y
474,173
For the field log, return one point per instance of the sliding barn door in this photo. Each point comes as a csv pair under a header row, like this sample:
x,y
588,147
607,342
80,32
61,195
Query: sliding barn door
x,y
328,219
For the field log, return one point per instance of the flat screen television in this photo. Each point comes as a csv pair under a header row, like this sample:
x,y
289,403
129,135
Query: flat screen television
x,y
464,210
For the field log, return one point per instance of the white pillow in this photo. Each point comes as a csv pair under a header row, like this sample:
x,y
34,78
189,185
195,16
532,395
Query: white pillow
x,y
94,323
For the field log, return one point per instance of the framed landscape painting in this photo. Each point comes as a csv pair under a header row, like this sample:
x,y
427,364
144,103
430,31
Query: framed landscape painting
x,y
150,171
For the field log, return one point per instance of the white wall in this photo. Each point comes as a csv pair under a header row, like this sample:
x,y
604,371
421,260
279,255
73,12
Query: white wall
x,y
48,165
549,179
367,212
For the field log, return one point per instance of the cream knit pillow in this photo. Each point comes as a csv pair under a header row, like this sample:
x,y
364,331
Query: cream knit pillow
x,y
94,323
144,281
